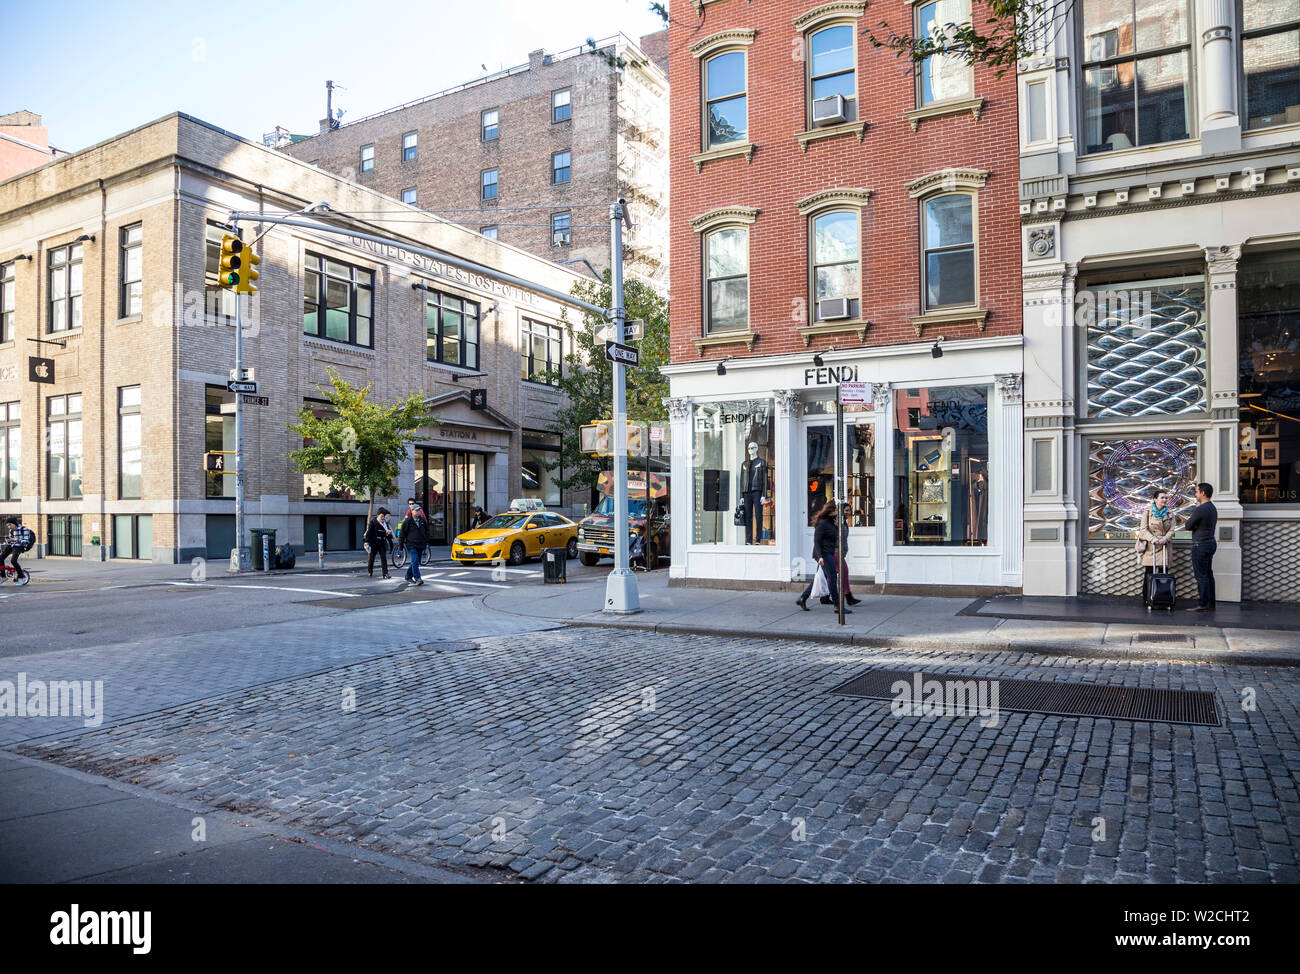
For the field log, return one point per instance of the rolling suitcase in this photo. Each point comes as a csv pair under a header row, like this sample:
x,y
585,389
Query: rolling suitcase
x,y
1161,588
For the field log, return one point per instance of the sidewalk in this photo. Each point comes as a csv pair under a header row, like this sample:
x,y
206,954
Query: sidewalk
x,y
913,623
63,826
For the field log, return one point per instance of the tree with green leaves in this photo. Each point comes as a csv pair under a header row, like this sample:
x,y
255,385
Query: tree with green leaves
x,y
1008,31
587,378
360,444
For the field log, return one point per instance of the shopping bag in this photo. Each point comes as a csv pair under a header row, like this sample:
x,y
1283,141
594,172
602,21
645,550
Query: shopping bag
x,y
820,585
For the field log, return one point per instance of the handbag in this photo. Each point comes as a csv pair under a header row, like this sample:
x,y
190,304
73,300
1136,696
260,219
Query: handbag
x,y
1140,546
820,586
739,519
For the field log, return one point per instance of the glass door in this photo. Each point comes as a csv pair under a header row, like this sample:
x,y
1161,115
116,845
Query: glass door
x,y
859,469
431,492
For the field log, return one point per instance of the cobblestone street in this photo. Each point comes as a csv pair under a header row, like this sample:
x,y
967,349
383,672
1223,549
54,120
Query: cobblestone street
x,y
611,755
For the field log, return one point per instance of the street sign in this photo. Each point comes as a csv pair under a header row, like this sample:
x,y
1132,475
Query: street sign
x,y
40,369
855,393
248,400
245,375
656,434
214,462
622,354
241,386
633,329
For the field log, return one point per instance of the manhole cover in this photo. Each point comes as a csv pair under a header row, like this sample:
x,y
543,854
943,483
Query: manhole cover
x,y
1163,637
1040,697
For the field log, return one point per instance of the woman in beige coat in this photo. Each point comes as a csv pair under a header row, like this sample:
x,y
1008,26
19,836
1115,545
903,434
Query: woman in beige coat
x,y
1157,529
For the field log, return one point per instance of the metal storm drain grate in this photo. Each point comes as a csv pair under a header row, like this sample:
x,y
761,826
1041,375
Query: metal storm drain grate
x,y
1163,637
1042,697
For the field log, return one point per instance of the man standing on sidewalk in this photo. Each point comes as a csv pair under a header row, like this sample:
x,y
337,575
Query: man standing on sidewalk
x,y
415,538
1202,523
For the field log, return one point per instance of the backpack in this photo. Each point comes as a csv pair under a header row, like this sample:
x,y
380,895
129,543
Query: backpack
x,y
26,539
285,556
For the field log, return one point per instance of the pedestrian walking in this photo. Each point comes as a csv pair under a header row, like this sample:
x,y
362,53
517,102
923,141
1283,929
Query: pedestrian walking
x,y
378,539
826,543
842,558
415,538
1156,534
1202,523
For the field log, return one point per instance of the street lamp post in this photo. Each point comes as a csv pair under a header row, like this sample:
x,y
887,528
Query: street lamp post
x,y
621,595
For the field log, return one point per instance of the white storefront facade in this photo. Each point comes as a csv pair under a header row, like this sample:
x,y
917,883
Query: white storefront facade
x,y
932,466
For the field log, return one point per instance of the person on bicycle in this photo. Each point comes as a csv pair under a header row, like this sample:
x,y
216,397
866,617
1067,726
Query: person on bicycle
x,y
18,538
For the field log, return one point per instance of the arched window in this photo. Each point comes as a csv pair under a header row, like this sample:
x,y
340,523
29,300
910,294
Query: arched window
x,y
832,72
726,106
726,263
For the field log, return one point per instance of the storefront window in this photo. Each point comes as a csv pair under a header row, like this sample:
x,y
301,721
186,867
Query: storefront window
x,y
321,486
733,450
941,465
1268,336
859,466
1122,475
1146,348
540,470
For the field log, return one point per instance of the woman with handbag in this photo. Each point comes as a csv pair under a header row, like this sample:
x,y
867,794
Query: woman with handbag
x,y
826,545
1155,532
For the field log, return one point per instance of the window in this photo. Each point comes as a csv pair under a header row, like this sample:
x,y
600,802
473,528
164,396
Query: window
x,y
65,288
133,536
337,301
723,433
489,184
63,447
410,146
727,285
561,110
63,534
367,158
1146,352
321,486
859,458
1270,58
11,451
489,123
1137,73
836,269
129,465
942,77
409,196
489,232
726,110
8,292
560,225
132,288
540,470
219,437
560,167
948,251
1123,473
540,347
1268,338
831,67
218,302
451,330
941,466
1035,112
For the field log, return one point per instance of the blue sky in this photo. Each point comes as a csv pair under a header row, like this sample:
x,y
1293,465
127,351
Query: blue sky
x,y
96,69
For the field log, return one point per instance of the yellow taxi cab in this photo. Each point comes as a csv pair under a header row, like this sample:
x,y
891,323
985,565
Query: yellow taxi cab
x,y
516,536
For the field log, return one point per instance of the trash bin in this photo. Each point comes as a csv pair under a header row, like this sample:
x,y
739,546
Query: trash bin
x,y
554,563
256,544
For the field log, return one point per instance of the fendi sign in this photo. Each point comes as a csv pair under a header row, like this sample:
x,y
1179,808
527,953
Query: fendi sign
x,y
830,375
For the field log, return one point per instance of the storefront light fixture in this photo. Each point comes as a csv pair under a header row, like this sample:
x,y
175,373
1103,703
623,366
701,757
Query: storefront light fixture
x,y
722,366
84,237
937,352
818,360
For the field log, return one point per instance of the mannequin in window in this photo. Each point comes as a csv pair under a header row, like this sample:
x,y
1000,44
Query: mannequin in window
x,y
753,490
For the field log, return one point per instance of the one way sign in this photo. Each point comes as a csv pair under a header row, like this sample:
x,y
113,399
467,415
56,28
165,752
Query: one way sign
x,y
622,354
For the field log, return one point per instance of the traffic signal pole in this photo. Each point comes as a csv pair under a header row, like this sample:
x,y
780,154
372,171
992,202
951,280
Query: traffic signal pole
x,y
621,596
240,556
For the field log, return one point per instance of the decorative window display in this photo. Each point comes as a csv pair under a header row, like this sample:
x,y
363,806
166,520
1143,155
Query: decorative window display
x,y
859,468
1268,337
1123,473
734,477
1146,348
941,466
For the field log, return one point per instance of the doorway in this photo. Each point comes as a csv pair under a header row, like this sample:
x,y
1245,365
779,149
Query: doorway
x,y
449,484
818,484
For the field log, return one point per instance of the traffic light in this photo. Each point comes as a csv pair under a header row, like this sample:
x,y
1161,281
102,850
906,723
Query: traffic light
x,y
232,261
249,272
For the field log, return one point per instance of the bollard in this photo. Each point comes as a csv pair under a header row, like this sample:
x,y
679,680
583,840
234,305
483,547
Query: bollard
x,y
266,552
320,550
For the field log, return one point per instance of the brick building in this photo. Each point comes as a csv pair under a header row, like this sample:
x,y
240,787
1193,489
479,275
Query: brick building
x,y
1161,268
24,143
110,254
836,217
531,155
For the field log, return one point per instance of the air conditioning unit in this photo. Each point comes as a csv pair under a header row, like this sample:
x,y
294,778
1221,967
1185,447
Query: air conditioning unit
x,y
560,238
830,309
829,110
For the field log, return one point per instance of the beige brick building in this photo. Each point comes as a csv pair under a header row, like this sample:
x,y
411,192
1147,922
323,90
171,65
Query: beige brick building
x,y
533,154
111,252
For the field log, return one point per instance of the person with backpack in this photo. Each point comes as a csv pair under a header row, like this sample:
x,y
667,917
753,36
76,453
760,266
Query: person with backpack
x,y
377,540
415,538
18,539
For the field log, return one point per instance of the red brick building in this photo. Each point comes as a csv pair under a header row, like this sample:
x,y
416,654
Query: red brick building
x,y
837,216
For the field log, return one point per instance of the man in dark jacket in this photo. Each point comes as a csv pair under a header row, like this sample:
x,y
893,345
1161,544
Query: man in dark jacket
x,y
378,538
415,538
1202,523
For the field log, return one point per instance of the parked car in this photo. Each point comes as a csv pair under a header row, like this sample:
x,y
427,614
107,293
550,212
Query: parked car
x,y
516,536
